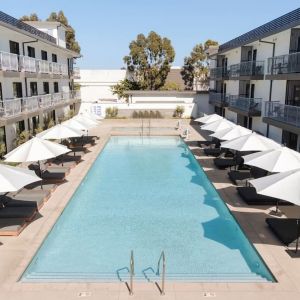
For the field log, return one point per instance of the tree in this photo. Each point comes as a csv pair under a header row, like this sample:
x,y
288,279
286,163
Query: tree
x,y
170,86
195,66
70,33
149,60
32,17
123,86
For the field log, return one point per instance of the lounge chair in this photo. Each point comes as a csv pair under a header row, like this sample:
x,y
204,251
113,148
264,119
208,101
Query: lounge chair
x,y
213,151
216,143
53,177
8,201
11,227
239,177
46,186
286,230
250,196
223,163
26,213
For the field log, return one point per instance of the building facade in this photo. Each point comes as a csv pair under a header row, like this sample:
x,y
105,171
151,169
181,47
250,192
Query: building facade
x,y
255,79
36,76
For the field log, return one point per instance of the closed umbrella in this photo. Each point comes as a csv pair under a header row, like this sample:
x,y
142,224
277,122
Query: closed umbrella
x,y
209,118
251,142
12,178
231,133
284,186
218,125
274,160
59,131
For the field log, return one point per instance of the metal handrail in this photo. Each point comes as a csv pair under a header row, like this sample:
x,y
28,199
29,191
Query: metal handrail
x,y
131,273
163,274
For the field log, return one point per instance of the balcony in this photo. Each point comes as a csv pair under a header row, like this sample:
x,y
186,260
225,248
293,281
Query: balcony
x,y
76,73
10,108
9,62
285,67
219,73
283,116
28,64
218,99
250,107
248,70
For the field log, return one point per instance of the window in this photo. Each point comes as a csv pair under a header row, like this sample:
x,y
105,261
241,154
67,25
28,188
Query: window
x,y
1,96
44,55
17,89
31,51
33,88
290,139
14,47
21,126
54,58
55,85
35,122
3,139
46,87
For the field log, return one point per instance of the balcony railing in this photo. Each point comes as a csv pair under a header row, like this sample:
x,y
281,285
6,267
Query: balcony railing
x,y
219,73
15,107
44,67
64,69
251,106
55,67
283,113
284,64
247,68
9,61
28,64
76,73
220,99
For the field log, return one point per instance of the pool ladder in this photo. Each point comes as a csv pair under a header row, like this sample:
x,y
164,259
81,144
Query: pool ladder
x,y
161,288
143,127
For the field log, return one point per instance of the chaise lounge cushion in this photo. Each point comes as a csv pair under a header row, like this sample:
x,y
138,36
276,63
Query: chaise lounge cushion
x,y
26,213
11,227
286,230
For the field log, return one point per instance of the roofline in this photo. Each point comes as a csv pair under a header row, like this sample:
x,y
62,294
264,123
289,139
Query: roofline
x,y
157,92
46,22
279,24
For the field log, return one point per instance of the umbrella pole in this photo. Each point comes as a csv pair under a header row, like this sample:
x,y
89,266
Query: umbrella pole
x,y
298,231
277,204
40,174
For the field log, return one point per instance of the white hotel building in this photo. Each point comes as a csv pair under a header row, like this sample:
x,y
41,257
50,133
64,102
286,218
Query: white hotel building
x,y
36,76
255,79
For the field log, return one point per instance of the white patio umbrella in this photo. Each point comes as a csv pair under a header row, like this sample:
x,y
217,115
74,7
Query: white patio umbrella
x,y
218,125
251,142
12,178
231,133
73,123
284,186
59,131
87,122
276,160
36,149
209,118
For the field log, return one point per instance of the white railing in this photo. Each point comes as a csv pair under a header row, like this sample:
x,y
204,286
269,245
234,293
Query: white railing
x,y
76,73
64,69
28,64
30,103
11,107
55,68
66,95
57,97
44,67
45,100
9,61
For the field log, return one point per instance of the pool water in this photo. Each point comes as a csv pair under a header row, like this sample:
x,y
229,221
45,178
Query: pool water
x,y
146,194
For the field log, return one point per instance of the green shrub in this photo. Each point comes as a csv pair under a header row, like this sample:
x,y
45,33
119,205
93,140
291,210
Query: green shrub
x,y
111,112
38,129
22,137
135,115
158,115
178,111
146,114
2,150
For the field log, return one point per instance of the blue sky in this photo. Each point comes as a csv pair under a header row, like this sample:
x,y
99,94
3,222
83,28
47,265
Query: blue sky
x,y
105,28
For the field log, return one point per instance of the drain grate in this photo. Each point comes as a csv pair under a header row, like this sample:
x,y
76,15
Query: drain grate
x,y
209,295
84,294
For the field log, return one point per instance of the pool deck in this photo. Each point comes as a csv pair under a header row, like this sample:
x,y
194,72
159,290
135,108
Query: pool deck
x,y
16,252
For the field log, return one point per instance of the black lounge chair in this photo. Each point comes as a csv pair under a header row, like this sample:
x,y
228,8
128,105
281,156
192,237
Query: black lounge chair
x,y
286,230
213,151
216,143
239,177
26,213
11,227
46,186
7,201
223,163
250,196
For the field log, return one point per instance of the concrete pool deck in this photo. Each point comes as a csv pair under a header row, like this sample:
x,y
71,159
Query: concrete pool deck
x,y
16,252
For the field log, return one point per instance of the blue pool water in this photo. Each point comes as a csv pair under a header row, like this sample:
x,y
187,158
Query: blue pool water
x,y
146,195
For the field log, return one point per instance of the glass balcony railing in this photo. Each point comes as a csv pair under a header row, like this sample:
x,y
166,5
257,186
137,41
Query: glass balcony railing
x,y
284,64
28,64
220,99
9,61
247,68
251,106
277,111
17,106
219,73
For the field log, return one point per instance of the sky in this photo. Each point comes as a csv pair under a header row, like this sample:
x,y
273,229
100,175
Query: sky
x,y
104,28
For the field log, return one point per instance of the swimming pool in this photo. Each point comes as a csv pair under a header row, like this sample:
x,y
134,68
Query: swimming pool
x,y
146,194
